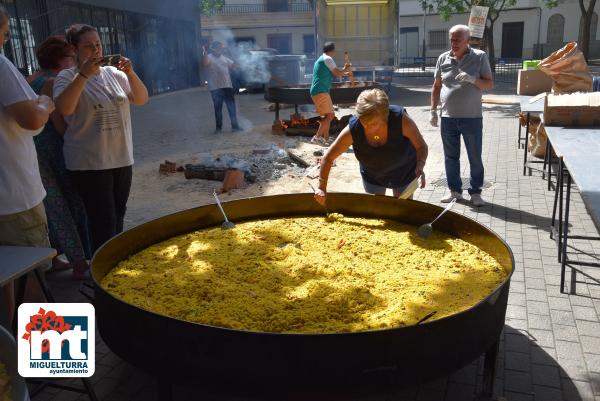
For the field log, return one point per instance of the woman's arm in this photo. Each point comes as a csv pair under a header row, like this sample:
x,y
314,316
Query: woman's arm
x,y
67,101
339,146
139,93
57,119
411,131
30,114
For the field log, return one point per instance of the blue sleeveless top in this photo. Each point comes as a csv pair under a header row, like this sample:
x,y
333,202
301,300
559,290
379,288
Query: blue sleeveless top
x,y
391,165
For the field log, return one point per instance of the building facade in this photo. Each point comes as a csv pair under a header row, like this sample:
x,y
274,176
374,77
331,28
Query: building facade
x,y
287,26
160,37
527,30
524,31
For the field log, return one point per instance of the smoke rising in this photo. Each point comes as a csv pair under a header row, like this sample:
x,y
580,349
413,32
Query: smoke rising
x,y
251,63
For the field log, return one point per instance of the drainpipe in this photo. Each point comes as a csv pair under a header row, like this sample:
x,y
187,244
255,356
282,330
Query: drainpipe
x,y
539,50
316,12
397,35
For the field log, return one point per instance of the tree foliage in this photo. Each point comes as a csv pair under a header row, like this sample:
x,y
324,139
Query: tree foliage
x,y
208,7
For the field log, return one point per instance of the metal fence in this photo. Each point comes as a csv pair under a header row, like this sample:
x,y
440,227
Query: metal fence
x,y
505,70
163,50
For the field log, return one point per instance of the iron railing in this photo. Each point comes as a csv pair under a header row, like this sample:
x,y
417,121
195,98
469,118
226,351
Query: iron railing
x,y
290,6
505,70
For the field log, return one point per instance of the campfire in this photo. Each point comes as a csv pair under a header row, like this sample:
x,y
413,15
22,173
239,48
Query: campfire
x,y
297,125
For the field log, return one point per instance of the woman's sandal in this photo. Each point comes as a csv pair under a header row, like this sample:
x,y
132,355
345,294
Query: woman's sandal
x,y
58,265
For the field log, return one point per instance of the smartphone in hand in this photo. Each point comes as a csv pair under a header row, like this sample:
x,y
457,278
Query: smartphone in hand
x,y
111,59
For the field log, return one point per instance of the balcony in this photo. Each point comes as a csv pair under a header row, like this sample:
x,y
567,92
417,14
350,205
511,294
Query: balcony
x,y
289,7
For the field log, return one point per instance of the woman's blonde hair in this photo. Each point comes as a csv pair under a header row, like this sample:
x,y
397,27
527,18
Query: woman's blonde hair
x,y
372,103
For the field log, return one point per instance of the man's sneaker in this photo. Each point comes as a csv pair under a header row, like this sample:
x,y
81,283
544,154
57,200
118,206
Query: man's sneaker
x,y
448,198
236,129
476,200
218,131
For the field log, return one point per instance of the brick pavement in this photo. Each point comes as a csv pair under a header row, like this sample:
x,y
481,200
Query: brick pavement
x,y
550,348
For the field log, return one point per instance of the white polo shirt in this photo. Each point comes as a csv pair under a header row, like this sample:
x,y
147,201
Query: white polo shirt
x,y
21,187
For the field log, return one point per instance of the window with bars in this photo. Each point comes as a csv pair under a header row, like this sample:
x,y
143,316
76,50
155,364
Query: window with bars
x,y
556,29
142,37
438,39
23,46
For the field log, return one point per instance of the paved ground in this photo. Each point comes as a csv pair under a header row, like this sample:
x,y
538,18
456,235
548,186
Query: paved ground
x,y
550,347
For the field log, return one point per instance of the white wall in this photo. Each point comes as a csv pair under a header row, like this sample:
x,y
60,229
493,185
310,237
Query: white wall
x,y
411,15
260,35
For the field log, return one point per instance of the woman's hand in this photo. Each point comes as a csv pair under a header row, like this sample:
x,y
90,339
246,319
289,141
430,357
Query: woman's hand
x,y
125,65
420,173
46,103
91,66
320,196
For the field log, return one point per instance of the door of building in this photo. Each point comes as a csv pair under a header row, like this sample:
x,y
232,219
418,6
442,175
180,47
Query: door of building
x,y
409,44
512,39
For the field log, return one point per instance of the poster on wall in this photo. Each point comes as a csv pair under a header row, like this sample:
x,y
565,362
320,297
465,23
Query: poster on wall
x,y
477,20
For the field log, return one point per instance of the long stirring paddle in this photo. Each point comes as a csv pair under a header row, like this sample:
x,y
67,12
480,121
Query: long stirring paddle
x,y
425,230
226,224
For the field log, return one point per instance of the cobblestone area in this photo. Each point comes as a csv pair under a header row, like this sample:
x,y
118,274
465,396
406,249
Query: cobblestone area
x,y
550,348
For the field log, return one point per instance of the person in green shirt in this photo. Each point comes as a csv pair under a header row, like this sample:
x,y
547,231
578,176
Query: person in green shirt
x,y
323,72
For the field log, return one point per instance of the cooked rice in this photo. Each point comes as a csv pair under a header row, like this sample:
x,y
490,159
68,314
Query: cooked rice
x,y
307,275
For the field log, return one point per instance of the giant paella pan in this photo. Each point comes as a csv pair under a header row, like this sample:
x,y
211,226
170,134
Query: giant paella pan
x,y
292,364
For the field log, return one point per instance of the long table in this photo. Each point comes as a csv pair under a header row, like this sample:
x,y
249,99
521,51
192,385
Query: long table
x,y
528,108
577,150
17,262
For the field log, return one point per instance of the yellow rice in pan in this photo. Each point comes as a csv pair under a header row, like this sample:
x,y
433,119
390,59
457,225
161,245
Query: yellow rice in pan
x,y
4,384
307,275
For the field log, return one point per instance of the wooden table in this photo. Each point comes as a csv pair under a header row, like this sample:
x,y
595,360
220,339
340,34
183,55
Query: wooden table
x,y
577,150
528,108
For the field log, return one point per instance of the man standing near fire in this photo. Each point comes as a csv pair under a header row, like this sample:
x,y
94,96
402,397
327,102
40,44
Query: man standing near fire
x,y
460,75
323,72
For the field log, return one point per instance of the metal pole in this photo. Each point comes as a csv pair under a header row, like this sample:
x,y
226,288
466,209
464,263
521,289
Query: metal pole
x,y
397,35
424,49
316,14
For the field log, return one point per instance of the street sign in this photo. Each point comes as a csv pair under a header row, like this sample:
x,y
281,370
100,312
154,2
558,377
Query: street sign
x,y
477,20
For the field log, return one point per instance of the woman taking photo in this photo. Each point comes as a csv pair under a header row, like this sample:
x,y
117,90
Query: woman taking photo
x,y
94,100
387,144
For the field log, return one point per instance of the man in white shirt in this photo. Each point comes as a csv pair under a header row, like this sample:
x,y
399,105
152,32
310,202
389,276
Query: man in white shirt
x,y
217,68
22,115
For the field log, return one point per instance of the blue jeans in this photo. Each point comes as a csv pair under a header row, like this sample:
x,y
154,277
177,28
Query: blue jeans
x,y
218,96
471,130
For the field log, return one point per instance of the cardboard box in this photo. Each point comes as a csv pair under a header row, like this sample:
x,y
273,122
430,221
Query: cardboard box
x,y
572,109
533,82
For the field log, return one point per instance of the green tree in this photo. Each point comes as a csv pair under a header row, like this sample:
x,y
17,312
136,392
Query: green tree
x,y
448,7
586,16
208,7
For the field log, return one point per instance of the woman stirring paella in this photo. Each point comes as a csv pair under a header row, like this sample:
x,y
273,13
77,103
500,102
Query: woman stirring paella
x,y
387,144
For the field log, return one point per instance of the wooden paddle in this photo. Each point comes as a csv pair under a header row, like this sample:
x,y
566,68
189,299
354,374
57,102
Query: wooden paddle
x,y
350,73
